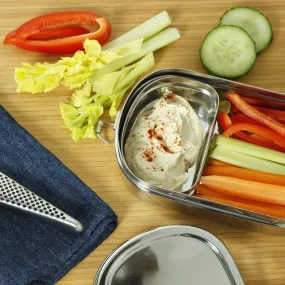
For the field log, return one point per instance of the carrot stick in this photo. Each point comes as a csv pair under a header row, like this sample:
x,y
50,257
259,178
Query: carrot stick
x,y
214,162
245,174
246,189
204,190
258,207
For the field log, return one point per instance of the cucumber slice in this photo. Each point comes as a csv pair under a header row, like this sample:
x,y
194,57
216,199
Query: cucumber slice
x,y
228,51
254,22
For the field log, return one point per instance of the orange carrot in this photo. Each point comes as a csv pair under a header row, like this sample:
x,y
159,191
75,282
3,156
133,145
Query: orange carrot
x,y
214,162
246,189
258,207
246,174
204,190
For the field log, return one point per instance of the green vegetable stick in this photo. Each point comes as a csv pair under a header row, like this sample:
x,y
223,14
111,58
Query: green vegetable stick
x,y
250,149
246,161
156,42
145,30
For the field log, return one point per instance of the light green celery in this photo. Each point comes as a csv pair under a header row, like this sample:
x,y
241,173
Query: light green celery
x,y
225,107
73,71
142,66
250,149
115,81
156,42
246,161
81,114
81,97
116,100
145,30
129,48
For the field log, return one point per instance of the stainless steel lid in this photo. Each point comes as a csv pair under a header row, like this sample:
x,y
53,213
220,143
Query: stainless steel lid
x,y
170,255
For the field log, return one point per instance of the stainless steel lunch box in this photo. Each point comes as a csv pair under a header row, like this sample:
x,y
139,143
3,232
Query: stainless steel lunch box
x,y
200,90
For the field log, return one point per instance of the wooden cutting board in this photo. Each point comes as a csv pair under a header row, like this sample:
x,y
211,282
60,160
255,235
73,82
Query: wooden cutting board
x,y
259,257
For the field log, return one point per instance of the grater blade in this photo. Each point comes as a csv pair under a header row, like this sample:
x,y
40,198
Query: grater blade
x,y
18,197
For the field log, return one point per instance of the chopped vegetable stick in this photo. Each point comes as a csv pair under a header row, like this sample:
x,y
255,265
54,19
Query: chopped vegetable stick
x,y
246,161
250,149
226,122
256,129
214,162
277,115
152,44
144,30
246,189
246,174
263,102
261,141
204,190
250,111
241,117
257,207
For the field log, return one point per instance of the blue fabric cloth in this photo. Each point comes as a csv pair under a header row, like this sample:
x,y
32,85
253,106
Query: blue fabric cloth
x,y
31,250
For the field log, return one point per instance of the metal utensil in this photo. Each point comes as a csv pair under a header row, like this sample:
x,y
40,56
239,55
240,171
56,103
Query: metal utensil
x,y
18,197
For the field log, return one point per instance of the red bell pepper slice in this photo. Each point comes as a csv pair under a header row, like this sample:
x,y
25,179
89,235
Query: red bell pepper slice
x,y
47,21
241,117
53,33
253,113
262,102
277,115
70,44
226,122
259,130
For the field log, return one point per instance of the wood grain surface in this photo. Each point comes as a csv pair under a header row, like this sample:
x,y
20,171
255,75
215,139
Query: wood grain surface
x,y
259,257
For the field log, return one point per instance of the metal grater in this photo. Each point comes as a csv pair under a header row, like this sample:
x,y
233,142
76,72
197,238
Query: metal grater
x,y
18,197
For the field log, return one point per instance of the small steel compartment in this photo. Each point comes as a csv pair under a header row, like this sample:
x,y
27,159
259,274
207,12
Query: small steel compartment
x,y
181,201
203,99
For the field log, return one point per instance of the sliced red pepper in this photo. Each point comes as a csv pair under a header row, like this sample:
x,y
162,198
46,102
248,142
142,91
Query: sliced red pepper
x,y
262,102
253,113
47,21
70,44
53,33
241,117
259,130
277,115
226,122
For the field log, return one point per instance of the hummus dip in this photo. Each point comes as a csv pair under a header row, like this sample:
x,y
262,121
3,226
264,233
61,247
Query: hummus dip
x,y
164,143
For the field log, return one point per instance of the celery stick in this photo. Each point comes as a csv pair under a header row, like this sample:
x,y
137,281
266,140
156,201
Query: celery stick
x,y
145,30
246,161
250,149
142,66
156,42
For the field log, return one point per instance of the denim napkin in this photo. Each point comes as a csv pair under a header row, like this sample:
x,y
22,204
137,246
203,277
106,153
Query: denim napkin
x,y
31,251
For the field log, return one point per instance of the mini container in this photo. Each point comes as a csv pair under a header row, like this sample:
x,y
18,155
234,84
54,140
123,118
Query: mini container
x,y
170,255
201,91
